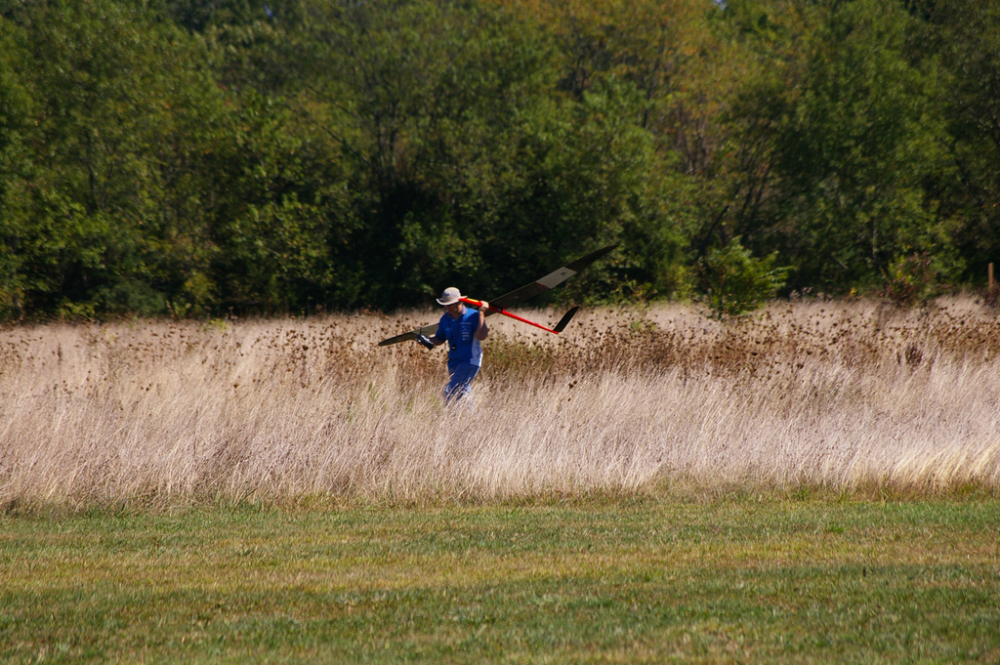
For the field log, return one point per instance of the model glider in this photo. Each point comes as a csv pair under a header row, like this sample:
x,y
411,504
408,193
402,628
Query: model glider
x,y
500,305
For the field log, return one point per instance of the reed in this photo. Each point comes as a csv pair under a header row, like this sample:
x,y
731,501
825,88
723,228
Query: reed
x,y
842,395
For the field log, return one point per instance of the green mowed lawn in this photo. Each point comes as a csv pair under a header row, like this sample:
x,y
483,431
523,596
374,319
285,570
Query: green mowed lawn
x,y
742,579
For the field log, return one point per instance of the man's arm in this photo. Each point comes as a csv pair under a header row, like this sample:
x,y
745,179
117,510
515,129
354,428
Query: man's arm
x,y
440,335
482,331
433,340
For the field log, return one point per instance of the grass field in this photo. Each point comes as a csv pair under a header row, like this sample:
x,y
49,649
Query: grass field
x,y
837,395
815,484
726,579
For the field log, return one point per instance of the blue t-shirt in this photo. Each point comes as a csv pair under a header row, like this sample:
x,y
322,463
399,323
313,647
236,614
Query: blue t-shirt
x,y
463,347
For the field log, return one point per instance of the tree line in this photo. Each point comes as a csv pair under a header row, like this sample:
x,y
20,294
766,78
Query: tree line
x,y
197,157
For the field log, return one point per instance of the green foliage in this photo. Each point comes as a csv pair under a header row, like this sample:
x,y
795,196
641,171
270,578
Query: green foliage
x,y
84,211
965,33
914,280
424,100
735,282
172,156
850,147
857,147
470,170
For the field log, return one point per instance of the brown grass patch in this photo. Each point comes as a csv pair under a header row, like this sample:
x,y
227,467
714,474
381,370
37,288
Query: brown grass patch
x,y
846,396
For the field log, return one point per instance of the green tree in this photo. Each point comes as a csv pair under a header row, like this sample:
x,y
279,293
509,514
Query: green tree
x,y
85,188
862,138
283,225
15,126
592,176
142,184
964,36
472,165
849,136
735,282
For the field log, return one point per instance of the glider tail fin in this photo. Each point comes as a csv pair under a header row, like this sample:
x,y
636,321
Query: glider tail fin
x,y
565,319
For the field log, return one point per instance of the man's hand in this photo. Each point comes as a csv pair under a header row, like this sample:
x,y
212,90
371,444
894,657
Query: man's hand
x,y
483,330
424,341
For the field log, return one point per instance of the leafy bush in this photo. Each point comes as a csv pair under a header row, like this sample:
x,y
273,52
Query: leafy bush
x,y
736,282
912,280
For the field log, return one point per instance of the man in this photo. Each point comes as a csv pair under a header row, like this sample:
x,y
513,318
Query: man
x,y
464,329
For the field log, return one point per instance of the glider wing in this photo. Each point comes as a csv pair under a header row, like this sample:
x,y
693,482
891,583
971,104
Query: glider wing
x,y
550,281
428,331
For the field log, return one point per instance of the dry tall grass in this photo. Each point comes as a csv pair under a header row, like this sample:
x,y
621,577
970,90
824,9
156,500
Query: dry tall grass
x,y
841,395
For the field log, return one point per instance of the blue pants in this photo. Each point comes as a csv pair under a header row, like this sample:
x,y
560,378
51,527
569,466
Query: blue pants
x,y
460,378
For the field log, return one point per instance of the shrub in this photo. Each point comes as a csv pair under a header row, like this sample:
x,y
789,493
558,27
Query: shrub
x,y
736,282
912,280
